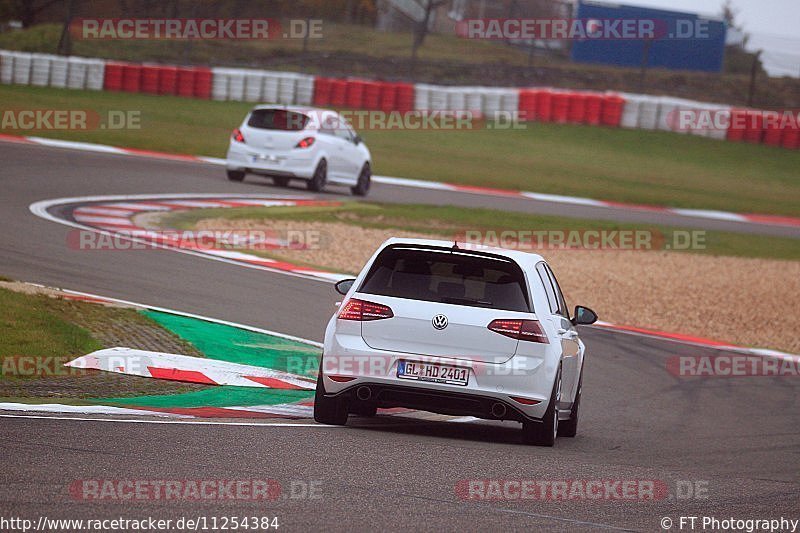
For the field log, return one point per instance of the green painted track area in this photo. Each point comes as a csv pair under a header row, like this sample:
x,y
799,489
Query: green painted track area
x,y
235,345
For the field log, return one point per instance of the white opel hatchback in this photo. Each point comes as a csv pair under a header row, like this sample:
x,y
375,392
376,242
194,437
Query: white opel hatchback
x,y
315,145
455,330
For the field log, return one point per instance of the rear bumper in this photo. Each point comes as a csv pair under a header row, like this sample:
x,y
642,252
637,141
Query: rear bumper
x,y
530,377
436,401
241,157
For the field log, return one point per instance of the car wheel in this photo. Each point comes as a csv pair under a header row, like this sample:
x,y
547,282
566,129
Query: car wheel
x,y
331,411
280,181
236,175
544,433
569,428
364,181
364,408
317,182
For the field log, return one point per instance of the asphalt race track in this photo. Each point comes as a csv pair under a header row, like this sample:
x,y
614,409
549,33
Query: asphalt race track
x,y
738,438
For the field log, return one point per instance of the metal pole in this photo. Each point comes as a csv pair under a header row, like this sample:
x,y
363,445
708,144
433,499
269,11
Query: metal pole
x,y
753,73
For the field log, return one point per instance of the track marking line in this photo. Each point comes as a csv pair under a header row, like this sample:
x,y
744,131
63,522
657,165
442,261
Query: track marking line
x,y
177,422
750,218
41,209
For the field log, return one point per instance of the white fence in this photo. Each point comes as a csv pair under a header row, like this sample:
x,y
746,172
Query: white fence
x,y
47,70
486,100
677,115
249,85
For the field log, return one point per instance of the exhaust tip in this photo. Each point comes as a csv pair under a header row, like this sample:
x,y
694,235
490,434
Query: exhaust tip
x,y
498,410
363,393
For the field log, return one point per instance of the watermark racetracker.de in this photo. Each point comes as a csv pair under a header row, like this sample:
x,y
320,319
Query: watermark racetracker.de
x,y
28,366
534,240
296,239
177,490
412,120
582,29
733,365
184,29
581,490
685,119
56,119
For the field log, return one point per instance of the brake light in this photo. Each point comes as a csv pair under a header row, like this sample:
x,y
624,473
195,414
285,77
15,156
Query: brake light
x,y
525,401
362,311
308,142
237,135
340,379
523,330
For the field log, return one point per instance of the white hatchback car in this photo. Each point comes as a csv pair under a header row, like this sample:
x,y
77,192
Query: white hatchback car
x,y
455,330
285,142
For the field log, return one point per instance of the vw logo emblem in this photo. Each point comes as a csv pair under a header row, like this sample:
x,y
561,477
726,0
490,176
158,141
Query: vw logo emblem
x,y
439,322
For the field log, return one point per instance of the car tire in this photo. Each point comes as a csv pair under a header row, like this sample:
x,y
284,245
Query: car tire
x,y
364,409
569,428
280,181
364,181
320,177
544,433
331,411
235,175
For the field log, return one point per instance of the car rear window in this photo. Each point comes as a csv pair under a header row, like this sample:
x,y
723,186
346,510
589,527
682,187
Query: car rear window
x,y
453,277
277,119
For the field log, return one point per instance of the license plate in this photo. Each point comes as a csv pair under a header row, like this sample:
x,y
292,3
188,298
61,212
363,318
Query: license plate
x,y
261,158
451,375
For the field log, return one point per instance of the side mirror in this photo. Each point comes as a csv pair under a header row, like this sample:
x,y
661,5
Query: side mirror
x,y
343,286
357,140
584,315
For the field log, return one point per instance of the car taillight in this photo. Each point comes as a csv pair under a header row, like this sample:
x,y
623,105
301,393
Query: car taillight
x,y
237,135
524,330
525,401
308,142
362,311
340,379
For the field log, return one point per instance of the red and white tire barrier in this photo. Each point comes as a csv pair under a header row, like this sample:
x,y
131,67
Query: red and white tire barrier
x,y
541,104
189,369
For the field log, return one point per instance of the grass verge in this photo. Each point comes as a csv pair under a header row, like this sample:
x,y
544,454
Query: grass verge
x,y
447,221
633,166
38,334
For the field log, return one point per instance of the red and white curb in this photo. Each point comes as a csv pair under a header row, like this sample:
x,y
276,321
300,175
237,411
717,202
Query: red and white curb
x,y
185,368
114,216
697,341
747,218
284,411
297,410
188,201
769,220
78,409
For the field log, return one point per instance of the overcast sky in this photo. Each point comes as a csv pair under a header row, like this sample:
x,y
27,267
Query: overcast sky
x,y
774,26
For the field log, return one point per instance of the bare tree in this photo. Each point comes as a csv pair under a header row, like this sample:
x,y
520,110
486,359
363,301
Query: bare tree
x,y
729,13
422,27
65,42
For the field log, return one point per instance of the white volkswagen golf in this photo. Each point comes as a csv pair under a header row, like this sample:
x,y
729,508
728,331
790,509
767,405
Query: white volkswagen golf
x,y
455,330
315,145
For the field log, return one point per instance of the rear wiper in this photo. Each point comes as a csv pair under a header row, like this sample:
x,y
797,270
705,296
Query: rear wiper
x,y
467,301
